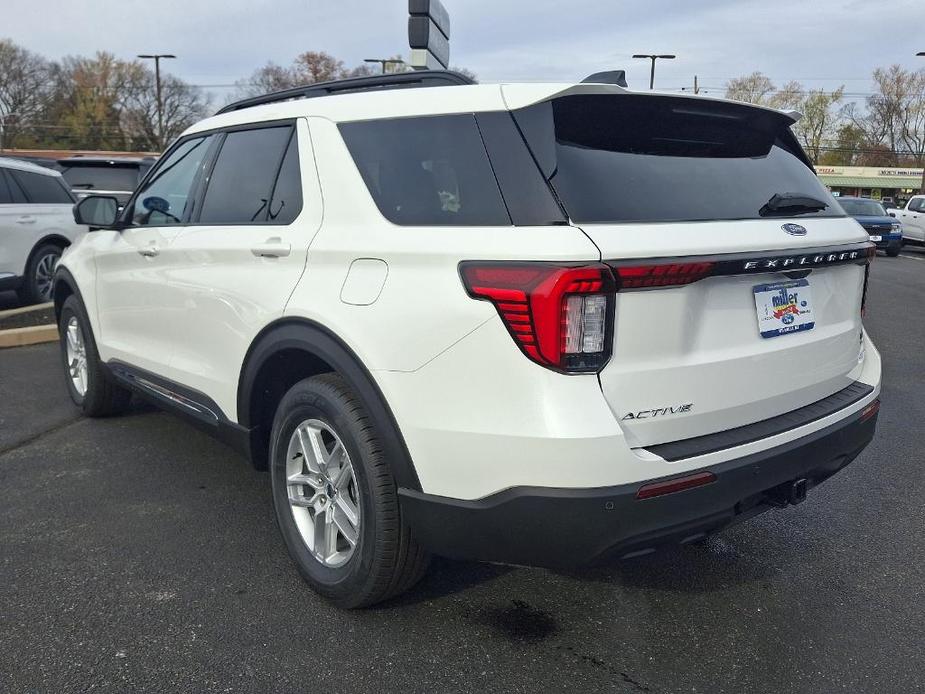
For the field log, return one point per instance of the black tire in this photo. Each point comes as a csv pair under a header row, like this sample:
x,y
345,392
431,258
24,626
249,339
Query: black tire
x,y
102,396
38,281
386,560
893,249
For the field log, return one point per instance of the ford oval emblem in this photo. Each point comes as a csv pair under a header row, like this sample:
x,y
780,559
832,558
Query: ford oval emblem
x,y
794,229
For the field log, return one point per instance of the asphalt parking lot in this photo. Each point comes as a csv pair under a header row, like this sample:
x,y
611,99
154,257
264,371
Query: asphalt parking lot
x,y
137,554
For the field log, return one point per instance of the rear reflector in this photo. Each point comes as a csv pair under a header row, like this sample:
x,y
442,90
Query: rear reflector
x,y
869,411
678,484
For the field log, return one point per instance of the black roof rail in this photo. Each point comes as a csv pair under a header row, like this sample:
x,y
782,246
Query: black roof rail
x,y
397,80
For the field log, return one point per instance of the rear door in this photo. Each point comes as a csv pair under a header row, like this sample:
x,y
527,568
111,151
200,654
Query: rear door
x,y
15,232
736,305
234,268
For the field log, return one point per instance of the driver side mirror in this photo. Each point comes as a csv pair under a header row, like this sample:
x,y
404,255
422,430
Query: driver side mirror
x,y
892,214
97,211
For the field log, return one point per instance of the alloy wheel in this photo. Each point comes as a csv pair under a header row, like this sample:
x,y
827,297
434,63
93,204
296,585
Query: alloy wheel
x,y
45,275
76,349
323,493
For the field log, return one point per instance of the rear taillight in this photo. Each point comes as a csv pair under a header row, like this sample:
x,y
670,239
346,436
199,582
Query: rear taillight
x,y
871,254
661,275
560,316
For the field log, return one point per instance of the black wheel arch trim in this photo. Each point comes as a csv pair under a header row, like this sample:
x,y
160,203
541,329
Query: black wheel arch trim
x,y
316,339
63,275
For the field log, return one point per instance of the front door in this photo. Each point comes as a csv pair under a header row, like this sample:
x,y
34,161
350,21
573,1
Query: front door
x,y
137,315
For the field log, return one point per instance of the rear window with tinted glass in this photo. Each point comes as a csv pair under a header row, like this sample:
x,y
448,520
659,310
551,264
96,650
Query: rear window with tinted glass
x,y
102,178
862,208
627,158
41,189
427,171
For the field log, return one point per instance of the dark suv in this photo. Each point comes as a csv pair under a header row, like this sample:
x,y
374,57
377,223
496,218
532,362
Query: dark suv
x,y
101,176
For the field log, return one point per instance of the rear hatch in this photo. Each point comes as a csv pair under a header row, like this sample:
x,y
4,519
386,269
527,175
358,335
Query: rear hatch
x,y
742,278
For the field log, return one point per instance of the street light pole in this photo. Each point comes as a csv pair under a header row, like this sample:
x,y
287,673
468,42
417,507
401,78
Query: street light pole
x,y
156,57
653,58
384,61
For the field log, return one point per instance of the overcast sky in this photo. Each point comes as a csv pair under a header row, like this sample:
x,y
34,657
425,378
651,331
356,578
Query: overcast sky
x,y
822,43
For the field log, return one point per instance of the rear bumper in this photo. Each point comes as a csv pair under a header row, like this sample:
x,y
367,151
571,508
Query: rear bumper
x,y
542,526
889,240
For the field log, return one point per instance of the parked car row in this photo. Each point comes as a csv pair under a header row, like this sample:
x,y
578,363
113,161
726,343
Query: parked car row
x,y
36,225
36,217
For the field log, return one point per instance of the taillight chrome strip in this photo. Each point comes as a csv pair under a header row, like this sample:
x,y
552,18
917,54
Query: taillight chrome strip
x,y
688,269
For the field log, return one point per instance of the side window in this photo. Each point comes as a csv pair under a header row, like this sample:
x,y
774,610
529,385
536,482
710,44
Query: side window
x,y
917,205
5,197
17,196
42,190
287,195
166,196
243,177
429,171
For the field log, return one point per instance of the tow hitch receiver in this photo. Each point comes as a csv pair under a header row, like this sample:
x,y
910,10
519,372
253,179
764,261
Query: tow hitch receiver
x,y
789,493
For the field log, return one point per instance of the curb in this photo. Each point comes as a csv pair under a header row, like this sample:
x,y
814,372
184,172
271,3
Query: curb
x,y
25,309
36,334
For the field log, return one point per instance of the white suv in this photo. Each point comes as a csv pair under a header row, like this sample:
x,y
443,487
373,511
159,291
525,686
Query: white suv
x,y
36,225
528,323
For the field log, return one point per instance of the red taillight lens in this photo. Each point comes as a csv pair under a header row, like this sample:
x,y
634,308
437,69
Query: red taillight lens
x,y
871,254
662,275
560,316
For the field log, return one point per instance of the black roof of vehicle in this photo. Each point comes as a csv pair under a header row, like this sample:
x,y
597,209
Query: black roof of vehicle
x,y
106,161
398,80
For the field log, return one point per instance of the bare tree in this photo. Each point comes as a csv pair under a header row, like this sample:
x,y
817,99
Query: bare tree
x,y
25,89
895,114
181,104
755,88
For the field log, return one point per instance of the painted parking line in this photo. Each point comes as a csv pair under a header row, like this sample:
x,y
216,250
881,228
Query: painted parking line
x,y
912,257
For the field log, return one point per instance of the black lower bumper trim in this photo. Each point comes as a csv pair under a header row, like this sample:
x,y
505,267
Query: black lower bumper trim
x,y
721,440
561,528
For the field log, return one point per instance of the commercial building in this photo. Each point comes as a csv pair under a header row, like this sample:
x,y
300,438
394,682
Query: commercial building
x,y
871,181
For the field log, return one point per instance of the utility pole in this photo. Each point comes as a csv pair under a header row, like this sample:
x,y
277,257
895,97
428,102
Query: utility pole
x,y
921,54
696,86
384,62
156,57
653,58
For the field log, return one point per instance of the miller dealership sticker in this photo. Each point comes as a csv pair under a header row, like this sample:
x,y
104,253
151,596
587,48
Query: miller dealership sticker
x,y
784,307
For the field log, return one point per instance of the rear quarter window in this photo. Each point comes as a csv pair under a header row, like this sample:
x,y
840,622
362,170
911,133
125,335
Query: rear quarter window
x,y
427,171
41,189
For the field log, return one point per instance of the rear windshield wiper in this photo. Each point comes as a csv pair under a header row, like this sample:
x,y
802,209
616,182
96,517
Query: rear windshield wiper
x,y
782,204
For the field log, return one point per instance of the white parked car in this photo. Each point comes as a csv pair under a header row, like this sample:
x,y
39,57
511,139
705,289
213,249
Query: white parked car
x,y
36,225
912,217
545,324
